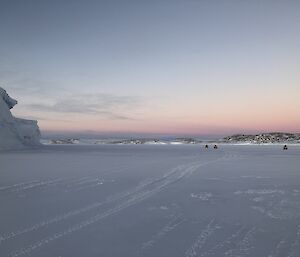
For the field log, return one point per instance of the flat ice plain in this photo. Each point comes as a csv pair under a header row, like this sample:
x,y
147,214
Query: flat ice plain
x,y
150,200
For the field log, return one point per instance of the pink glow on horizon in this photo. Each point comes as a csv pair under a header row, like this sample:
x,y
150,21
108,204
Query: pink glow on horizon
x,y
242,112
174,127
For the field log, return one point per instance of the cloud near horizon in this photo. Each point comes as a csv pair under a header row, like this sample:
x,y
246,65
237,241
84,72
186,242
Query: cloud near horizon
x,y
106,105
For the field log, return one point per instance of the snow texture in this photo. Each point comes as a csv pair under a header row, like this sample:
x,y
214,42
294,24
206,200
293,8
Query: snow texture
x,y
150,200
15,133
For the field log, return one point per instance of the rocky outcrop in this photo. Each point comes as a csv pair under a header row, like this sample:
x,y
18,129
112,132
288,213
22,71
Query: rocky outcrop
x,y
264,138
15,133
67,141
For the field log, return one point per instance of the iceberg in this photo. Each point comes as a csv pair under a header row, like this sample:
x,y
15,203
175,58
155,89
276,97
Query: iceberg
x,y
15,133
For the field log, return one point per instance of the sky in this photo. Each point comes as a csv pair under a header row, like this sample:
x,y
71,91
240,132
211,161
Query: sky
x,y
168,67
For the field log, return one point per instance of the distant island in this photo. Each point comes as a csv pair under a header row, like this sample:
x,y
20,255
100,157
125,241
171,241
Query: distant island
x,y
264,138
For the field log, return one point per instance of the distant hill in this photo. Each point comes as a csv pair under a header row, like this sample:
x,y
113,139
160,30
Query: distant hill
x,y
274,137
265,138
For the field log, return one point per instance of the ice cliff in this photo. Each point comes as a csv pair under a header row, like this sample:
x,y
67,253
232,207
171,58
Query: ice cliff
x,y
15,133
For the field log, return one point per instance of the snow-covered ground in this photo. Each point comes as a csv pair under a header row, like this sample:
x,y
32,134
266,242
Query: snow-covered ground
x,y
150,200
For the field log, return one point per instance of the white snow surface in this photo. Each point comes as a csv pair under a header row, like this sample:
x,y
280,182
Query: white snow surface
x,y
150,201
15,133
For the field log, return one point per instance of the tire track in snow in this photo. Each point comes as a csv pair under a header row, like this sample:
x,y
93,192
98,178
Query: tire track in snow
x,y
170,226
94,179
277,252
295,247
90,207
159,184
22,186
227,243
244,246
19,185
201,239
86,184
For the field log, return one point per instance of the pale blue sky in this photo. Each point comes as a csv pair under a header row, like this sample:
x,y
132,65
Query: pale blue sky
x,y
142,65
